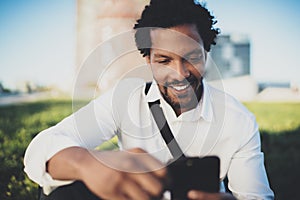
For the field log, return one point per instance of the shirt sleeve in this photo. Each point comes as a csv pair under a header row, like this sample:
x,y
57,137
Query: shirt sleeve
x,y
247,175
88,128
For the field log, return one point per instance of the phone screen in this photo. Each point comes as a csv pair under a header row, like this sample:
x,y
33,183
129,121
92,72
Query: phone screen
x,y
194,173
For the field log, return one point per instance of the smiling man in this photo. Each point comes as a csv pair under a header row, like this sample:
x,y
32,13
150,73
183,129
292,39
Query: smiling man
x,y
174,36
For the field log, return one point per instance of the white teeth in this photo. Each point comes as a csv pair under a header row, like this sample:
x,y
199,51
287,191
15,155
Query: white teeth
x,y
181,87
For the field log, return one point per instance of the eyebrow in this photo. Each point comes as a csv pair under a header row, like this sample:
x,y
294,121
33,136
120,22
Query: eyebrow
x,y
195,51
158,55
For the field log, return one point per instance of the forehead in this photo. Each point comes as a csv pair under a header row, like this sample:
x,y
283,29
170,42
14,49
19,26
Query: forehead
x,y
178,39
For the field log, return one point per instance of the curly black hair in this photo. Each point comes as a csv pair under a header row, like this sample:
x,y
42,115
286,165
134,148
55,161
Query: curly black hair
x,y
170,13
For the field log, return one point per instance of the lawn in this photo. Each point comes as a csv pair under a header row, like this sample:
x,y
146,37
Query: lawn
x,y
280,133
276,117
279,125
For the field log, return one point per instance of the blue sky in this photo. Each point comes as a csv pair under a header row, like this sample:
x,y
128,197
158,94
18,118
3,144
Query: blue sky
x,y
37,41
38,38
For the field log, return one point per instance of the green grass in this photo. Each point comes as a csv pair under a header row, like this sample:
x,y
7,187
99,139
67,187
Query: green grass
x,y
280,133
18,125
279,125
276,117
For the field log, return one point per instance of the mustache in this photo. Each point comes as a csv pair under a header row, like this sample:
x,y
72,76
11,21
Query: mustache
x,y
188,80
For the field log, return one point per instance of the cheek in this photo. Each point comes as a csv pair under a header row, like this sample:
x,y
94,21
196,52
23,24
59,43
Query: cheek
x,y
198,70
160,73
202,70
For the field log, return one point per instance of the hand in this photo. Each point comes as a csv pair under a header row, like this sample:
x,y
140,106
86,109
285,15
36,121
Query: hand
x,y
123,175
199,195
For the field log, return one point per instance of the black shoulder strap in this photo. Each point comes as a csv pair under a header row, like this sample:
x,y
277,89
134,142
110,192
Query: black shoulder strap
x,y
163,126
148,84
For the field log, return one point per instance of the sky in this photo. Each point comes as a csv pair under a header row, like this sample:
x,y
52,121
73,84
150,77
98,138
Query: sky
x,y
38,39
37,42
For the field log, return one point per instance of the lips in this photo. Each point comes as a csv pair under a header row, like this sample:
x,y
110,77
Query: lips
x,y
180,87
181,90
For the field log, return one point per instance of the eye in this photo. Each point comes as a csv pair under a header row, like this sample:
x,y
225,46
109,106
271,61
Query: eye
x,y
195,59
163,61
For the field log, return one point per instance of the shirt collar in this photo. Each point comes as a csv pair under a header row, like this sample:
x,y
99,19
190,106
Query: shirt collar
x,y
203,109
153,93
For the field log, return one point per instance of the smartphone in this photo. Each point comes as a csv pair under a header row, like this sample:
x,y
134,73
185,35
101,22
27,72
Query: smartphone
x,y
193,173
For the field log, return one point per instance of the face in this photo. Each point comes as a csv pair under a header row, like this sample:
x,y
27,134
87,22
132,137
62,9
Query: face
x,y
177,59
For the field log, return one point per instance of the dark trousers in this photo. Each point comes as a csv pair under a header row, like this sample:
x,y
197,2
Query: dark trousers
x,y
74,191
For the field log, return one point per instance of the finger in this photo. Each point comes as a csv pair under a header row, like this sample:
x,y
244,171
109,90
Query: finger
x,y
133,191
195,195
119,196
145,162
149,183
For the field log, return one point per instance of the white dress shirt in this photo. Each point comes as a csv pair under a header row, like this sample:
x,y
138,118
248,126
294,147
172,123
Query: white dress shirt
x,y
219,125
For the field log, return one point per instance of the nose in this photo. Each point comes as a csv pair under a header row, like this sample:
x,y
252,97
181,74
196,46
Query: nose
x,y
181,70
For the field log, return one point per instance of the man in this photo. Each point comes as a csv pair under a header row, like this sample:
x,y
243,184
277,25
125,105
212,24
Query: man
x,y
204,121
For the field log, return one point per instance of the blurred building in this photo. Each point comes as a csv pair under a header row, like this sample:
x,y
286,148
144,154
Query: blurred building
x,y
105,52
229,65
1,88
99,20
231,55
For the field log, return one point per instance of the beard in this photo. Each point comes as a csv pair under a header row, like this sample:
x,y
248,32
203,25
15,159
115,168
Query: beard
x,y
184,101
